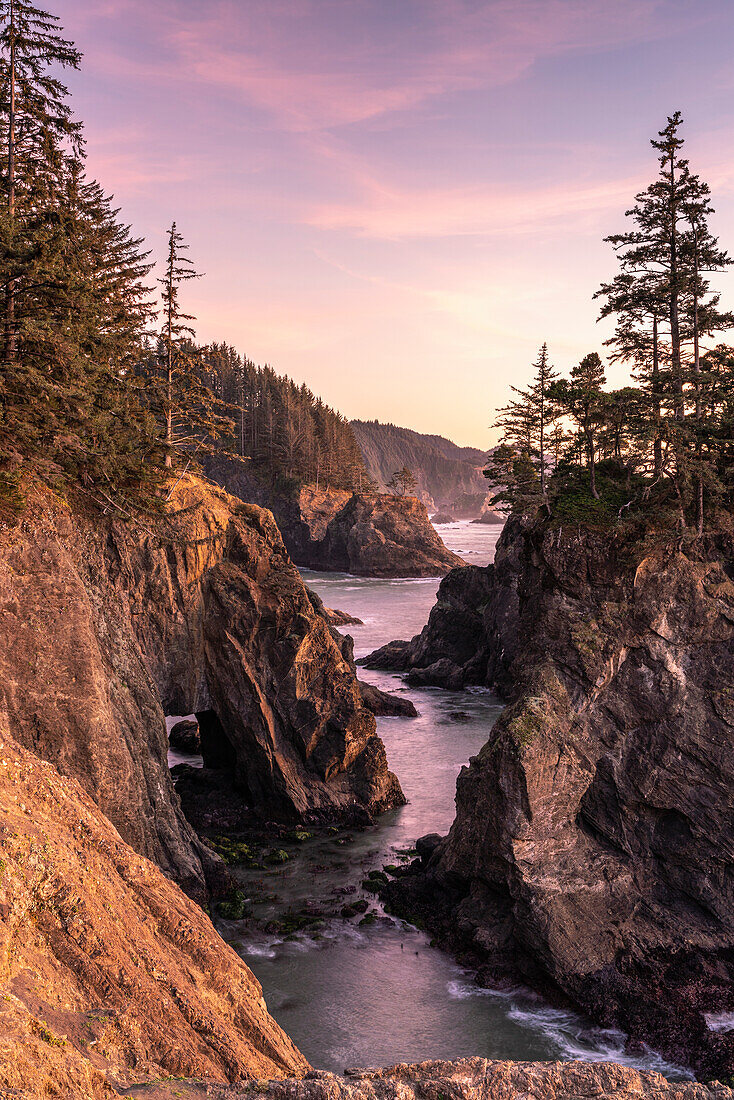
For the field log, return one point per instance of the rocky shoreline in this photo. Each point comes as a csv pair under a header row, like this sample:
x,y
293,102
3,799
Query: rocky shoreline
x,y
479,1079
581,860
592,850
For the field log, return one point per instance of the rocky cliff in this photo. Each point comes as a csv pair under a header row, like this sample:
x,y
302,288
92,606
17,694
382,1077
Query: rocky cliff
x,y
479,1079
369,534
110,975
108,622
593,846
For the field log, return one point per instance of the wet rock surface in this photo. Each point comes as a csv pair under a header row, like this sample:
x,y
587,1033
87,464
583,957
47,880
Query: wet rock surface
x,y
593,846
341,618
384,704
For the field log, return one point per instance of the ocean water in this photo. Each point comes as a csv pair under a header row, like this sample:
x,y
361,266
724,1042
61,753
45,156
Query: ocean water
x,y
378,993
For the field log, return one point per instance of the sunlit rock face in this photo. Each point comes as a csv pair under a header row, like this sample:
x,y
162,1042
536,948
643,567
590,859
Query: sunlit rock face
x,y
109,622
593,844
111,975
368,534
477,1078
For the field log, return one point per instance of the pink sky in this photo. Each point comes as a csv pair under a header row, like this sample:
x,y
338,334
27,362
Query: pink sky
x,y
397,201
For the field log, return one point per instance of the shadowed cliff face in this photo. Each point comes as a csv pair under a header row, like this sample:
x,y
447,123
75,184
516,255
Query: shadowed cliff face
x,y
368,534
593,845
108,623
109,972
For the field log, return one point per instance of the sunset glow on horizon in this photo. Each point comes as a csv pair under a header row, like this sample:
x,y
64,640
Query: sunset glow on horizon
x,y
398,202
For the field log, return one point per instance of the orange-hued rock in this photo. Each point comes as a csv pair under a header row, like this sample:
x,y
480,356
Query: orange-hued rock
x,y
109,973
108,621
368,534
481,1079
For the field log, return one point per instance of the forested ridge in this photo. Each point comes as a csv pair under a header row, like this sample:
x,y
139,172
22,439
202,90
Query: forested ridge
x,y
442,469
287,433
104,385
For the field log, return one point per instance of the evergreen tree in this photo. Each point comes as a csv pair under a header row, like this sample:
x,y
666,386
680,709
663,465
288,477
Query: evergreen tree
x,y
73,278
664,305
192,413
581,398
638,303
402,481
526,420
39,136
515,475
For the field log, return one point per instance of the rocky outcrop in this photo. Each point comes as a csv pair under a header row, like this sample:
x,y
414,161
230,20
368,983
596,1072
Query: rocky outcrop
x,y
490,516
110,975
480,1078
593,846
185,736
455,647
384,704
368,534
341,618
109,621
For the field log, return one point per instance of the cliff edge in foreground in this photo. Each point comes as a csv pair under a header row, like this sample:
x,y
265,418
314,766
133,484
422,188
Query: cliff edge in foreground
x,y
593,845
110,975
480,1079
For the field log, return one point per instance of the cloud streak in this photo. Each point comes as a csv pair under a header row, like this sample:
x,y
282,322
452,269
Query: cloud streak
x,y
391,194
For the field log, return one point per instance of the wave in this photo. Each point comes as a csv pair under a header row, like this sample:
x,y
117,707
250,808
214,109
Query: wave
x,y
719,1021
576,1039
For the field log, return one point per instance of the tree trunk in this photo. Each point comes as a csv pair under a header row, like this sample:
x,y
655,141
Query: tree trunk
x,y
697,384
542,438
674,313
169,362
10,339
592,466
658,443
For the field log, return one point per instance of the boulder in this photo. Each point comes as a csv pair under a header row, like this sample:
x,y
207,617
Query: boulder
x,y
384,704
184,735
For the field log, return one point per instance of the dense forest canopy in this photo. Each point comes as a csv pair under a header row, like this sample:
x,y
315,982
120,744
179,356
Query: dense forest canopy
x,y
663,443
287,433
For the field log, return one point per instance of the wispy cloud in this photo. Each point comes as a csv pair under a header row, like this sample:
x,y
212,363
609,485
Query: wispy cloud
x,y
379,188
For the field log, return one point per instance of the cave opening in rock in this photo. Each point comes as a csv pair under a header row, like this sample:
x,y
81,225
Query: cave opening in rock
x,y
216,747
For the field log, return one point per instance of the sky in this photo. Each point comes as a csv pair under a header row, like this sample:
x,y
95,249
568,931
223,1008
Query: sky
x,y
398,201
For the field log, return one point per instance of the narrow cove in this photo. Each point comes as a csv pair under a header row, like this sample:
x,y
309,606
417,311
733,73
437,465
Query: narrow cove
x,y
370,989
